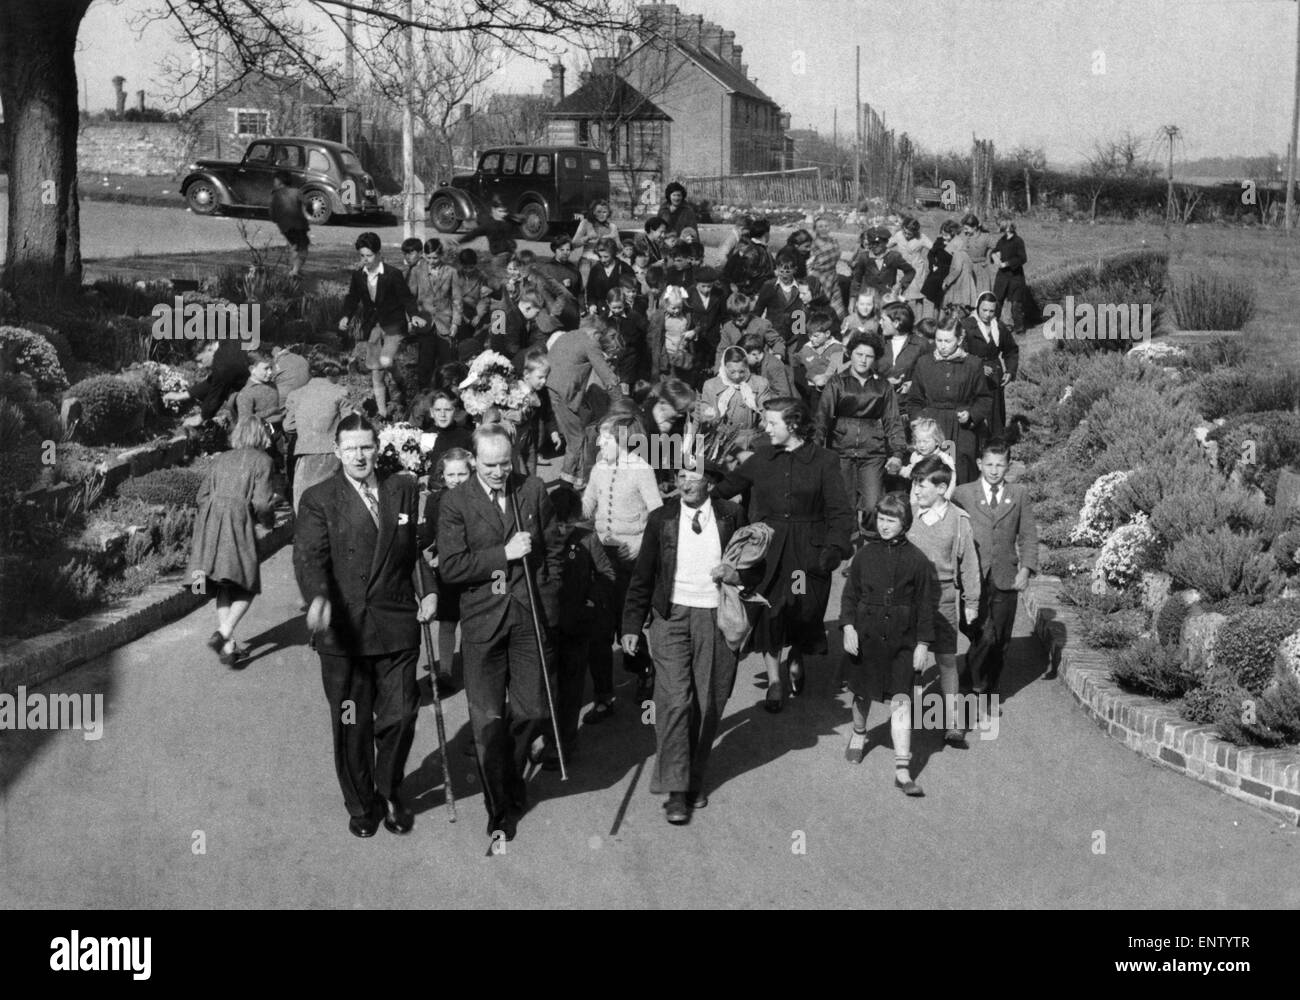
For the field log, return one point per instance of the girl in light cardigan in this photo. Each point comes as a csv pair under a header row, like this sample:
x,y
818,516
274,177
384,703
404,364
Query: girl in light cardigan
x,y
619,497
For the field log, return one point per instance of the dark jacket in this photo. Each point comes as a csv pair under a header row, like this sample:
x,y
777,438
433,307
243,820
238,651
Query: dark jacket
x,y
860,420
748,267
586,584
709,317
900,367
499,233
941,388
940,260
783,312
1005,356
393,301
890,598
599,283
892,269
472,534
651,586
682,218
364,571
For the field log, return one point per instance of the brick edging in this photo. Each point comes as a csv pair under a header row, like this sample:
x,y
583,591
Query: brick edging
x,y
43,657
1269,779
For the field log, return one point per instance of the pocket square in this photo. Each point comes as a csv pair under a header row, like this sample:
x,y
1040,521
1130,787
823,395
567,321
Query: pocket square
x,y
403,518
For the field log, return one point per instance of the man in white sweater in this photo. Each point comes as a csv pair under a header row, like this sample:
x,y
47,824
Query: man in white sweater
x,y
695,670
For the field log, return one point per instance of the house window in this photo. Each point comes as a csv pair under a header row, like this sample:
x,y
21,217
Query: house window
x,y
250,121
584,132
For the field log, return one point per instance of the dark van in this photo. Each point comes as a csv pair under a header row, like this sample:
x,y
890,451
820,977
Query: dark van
x,y
543,186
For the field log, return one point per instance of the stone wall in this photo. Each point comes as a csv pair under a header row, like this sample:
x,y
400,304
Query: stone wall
x,y
141,149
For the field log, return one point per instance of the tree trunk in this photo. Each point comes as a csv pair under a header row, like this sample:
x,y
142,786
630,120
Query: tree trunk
x,y
1029,195
38,85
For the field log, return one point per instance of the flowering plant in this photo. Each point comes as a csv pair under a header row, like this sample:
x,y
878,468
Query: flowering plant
x,y
168,380
492,382
33,356
1097,517
1126,553
1288,654
400,451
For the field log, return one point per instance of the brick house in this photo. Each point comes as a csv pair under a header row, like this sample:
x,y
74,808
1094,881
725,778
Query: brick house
x,y
224,123
693,71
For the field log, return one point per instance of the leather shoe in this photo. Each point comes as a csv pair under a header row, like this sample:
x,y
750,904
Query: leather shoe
x,y
774,700
399,819
675,809
956,740
910,788
363,826
506,824
697,799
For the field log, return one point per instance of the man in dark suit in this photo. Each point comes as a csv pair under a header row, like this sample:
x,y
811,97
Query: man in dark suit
x,y
695,669
486,551
1006,541
997,349
707,302
354,551
386,301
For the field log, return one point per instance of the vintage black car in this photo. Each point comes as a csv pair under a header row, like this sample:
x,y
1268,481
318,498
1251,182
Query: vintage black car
x,y
331,177
542,186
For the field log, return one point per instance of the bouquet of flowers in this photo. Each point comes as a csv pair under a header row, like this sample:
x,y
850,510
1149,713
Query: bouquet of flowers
x,y
492,382
400,450
168,380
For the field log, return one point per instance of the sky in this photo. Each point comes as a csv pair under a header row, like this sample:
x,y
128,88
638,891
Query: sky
x,y
1052,73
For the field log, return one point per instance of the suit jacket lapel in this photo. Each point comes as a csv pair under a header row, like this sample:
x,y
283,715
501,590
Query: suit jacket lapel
x,y
350,503
672,521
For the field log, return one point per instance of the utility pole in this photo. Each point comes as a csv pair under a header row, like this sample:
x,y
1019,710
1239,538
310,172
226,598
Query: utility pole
x,y
857,117
408,130
1295,125
1172,132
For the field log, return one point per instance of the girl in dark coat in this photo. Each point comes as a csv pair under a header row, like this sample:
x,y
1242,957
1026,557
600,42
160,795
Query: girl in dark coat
x,y
235,495
1009,258
887,614
454,467
796,488
949,387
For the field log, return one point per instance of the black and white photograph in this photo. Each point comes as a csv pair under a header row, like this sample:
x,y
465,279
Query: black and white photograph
x,y
517,455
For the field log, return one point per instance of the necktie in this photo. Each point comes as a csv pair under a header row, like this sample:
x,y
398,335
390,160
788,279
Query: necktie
x,y
695,523
372,502
997,495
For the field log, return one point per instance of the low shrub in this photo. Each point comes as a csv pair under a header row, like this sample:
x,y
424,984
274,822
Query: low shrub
x,y
1169,620
1246,648
13,425
114,410
1220,562
132,298
1286,550
1219,353
1081,594
1067,562
1112,631
1215,701
1132,427
34,356
1146,667
1230,391
1207,301
176,487
1272,720
1258,446
1207,503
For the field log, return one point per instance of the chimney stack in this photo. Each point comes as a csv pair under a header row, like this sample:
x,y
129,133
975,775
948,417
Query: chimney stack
x,y
583,77
139,96
624,46
553,89
736,51
711,38
692,29
726,46
660,18
119,93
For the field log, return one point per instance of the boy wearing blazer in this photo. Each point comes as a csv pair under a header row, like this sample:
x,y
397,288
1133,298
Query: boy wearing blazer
x,y
1006,541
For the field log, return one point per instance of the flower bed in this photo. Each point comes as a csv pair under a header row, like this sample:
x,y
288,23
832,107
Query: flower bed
x,y
1182,564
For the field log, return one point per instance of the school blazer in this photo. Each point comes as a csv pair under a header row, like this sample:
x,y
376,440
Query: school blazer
x,y
1006,538
393,301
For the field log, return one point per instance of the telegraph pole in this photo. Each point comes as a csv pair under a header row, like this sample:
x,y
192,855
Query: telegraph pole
x,y
1172,132
857,117
1295,126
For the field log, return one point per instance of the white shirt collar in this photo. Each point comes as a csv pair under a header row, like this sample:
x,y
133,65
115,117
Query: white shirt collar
x,y
706,513
935,514
988,490
358,484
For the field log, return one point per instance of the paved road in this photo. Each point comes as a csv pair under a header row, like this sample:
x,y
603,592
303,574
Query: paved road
x,y
245,758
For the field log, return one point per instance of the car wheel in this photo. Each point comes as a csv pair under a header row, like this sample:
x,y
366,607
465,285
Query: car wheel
x,y
202,198
533,223
317,207
443,214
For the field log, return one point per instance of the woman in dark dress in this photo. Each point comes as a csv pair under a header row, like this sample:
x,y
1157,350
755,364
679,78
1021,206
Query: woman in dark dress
x,y
949,387
1009,259
887,614
797,489
223,549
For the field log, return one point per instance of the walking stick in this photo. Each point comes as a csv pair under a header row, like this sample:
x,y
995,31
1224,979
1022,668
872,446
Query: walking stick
x,y
423,587
541,649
